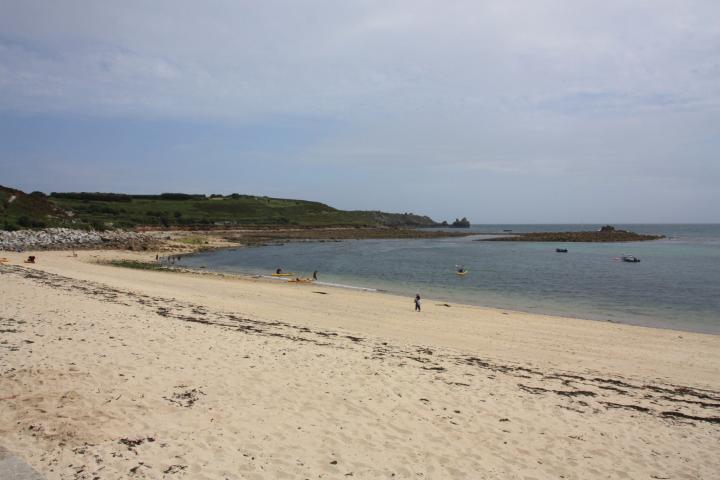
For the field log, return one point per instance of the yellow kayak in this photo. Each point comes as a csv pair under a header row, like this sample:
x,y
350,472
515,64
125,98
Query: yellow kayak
x,y
282,274
462,274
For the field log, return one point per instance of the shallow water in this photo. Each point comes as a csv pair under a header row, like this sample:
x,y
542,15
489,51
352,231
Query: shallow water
x,y
676,285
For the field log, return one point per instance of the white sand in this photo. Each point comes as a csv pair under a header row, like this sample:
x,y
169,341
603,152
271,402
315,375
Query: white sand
x,y
111,373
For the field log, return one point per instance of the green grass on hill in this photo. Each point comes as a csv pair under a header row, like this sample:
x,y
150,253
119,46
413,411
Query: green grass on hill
x,y
103,210
20,210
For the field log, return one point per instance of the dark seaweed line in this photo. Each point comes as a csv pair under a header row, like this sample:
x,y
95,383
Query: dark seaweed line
x,y
170,308
638,393
674,391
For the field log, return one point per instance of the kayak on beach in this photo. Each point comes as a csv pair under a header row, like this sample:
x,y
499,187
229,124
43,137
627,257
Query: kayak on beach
x,y
282,274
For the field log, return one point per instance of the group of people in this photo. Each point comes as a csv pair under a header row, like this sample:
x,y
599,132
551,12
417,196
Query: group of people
x,y
30,259
280,270
418,300
170,259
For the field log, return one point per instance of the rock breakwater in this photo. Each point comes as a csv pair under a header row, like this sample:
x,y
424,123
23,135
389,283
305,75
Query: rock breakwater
x,y
67,238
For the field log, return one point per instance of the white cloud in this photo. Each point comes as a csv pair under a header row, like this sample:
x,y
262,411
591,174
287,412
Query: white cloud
x,y
221,58
575,87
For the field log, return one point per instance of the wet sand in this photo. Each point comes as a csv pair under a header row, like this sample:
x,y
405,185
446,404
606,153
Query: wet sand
x,y
108,372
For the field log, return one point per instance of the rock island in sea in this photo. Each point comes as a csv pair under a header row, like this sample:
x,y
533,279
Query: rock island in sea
x,y
606,234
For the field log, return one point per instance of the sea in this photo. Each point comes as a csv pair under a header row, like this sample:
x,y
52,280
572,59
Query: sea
x,y
676,285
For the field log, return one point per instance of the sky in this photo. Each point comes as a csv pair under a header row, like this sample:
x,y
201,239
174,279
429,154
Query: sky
x,y
530,111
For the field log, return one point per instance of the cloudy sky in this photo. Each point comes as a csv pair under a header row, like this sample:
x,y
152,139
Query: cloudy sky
x,y
503,111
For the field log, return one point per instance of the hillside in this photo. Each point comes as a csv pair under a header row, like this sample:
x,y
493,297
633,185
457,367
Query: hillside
x,y
112,210
22,210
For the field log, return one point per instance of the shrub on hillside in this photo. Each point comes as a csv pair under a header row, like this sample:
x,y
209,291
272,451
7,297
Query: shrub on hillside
x,y
27,222
10,226
90,196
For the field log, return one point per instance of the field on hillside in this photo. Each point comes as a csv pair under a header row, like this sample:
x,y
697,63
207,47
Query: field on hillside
x,y
112,210
195,210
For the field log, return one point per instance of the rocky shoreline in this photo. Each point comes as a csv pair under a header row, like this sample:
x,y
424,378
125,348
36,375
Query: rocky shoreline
x,y
193,240
260,237
67,238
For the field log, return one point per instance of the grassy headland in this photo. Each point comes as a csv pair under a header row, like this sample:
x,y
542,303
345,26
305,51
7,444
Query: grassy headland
x,y
176,210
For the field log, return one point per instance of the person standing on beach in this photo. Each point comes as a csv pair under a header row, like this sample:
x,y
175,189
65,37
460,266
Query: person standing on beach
x,y
417,302
315,275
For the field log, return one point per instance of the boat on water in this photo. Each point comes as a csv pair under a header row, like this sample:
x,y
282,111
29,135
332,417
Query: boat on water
x,y
460,271
561,250
630,259
289,274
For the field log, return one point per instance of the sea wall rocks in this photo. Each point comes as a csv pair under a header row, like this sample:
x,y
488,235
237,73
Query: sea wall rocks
x,y
67,238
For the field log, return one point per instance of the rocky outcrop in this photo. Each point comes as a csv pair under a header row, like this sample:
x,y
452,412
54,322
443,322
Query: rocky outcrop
x,y
601,236
461,223
67,238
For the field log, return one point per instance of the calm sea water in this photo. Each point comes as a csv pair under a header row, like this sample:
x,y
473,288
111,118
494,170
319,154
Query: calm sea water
x,y
676,285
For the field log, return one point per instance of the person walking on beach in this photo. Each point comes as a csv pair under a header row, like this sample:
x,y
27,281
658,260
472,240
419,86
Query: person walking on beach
x,y
417,302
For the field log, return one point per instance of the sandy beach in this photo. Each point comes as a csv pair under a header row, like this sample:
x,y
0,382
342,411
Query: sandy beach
x,y
108,373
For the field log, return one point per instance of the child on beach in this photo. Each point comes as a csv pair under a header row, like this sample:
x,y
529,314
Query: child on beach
x,y
417,302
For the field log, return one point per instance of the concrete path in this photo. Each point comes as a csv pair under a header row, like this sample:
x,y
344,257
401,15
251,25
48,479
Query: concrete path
x,y
12,468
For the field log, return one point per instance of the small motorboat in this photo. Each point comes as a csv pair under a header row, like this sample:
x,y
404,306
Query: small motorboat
x,y
561,250
630,259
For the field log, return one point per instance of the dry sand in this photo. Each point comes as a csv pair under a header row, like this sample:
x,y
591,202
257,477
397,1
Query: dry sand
x,y
113,373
